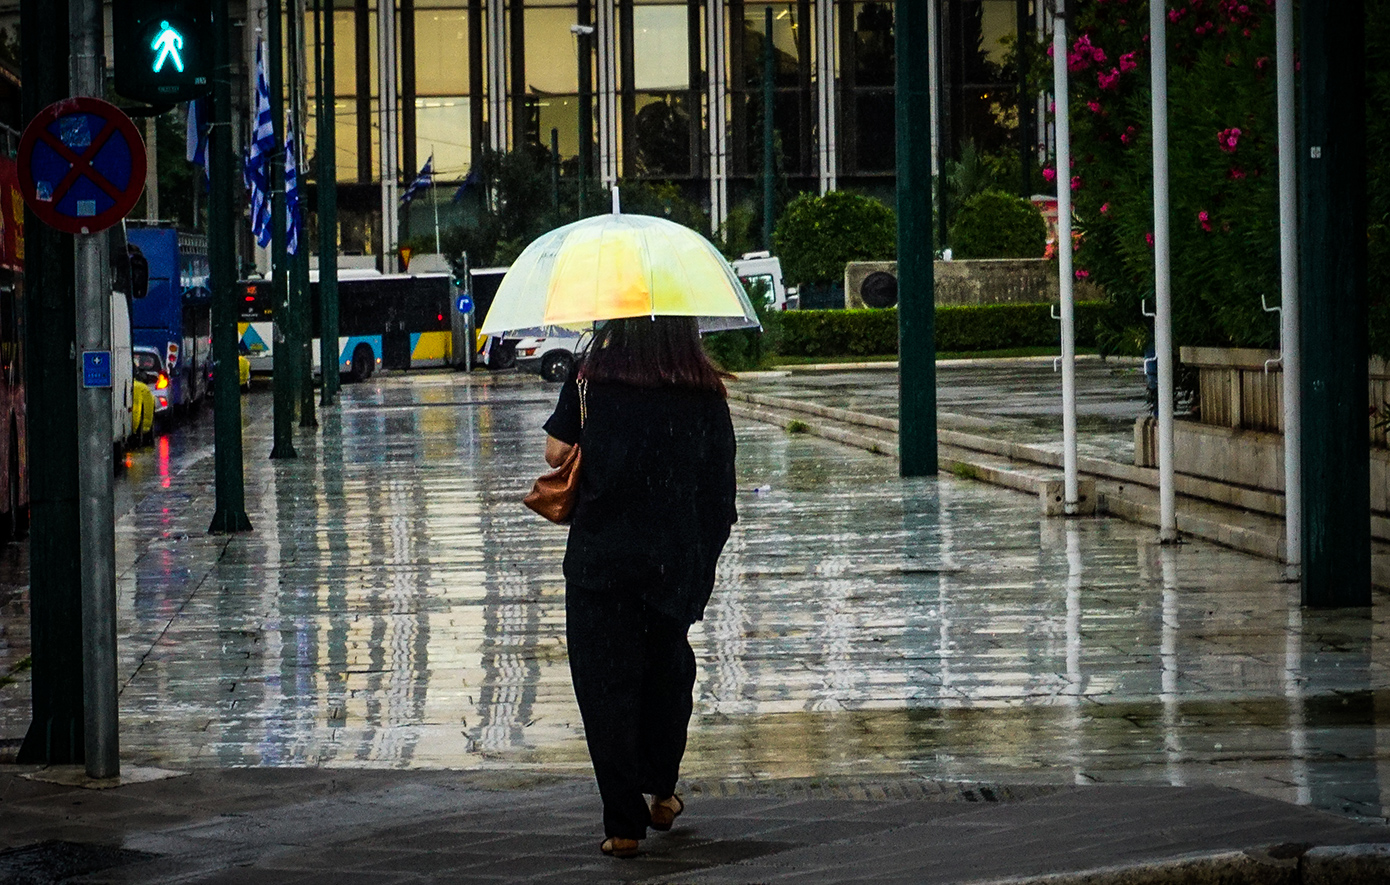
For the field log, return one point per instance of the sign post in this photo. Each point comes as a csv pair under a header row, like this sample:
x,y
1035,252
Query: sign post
x,y
81,168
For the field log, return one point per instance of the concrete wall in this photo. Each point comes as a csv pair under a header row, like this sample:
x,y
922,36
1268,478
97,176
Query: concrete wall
x,y
982,281
1248,458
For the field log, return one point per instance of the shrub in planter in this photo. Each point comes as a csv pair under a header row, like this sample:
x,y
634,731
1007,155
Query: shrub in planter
x,y
998,225
817,235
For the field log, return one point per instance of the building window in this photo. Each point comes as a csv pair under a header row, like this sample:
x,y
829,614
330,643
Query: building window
x,y
868,134
792,115
657,128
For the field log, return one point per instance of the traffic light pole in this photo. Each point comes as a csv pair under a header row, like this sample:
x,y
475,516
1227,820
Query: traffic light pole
x,y
284,350
55,735
97,504
328,203
229,514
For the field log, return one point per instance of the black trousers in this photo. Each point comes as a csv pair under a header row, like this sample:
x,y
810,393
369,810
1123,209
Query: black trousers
x,y
633,673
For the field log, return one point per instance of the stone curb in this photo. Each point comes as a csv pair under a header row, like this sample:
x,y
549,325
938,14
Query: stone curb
x,y
1366,864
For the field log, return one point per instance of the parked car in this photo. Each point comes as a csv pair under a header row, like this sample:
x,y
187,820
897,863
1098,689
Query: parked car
x,y
149,368
553,356
766,268
142,416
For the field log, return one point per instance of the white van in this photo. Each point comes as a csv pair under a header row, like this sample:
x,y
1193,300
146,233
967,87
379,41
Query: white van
x,y
766,268
122,377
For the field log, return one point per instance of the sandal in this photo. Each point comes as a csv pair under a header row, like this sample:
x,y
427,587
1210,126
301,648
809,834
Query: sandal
x,y
664,814
616,847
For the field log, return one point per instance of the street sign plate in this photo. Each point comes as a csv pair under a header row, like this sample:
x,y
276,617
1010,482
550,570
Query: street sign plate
x,y
81,165
465,304
96,368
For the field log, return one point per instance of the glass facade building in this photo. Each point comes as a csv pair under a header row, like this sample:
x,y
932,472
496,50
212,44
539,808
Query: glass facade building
x,y
674,90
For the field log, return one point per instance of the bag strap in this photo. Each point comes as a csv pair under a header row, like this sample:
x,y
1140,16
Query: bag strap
x,y
583,402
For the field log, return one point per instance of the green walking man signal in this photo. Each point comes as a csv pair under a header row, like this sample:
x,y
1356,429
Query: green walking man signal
x,y
168,42
162,50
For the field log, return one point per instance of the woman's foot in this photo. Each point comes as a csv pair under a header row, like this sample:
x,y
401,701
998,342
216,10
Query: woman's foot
x,y
616,847
665,811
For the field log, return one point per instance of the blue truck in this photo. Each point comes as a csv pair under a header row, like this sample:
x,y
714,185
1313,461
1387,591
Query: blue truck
x,y
175,316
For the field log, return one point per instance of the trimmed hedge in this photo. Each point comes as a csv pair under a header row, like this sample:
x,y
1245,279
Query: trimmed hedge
x,y
958,328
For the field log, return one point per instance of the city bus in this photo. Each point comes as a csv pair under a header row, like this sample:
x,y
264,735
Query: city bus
x,y
385,321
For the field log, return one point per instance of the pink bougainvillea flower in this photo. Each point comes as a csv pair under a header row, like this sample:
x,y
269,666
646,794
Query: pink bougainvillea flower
x,y
1049,174
1094,106
1149,238
1076,182
1104,208
1127,62
1082,273
1261,63
1175,14
1236,173
1050,249
1109,79
1049,50
1129,134
1204,220
1228,139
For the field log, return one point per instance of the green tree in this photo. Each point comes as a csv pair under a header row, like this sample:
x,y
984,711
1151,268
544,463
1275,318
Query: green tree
x,y
817,235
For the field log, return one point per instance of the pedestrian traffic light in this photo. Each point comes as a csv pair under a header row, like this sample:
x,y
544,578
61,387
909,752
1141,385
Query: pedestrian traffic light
x,y
162,49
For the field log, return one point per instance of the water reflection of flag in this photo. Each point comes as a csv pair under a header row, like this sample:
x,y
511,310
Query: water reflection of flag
x,y
423,180
258,156
470,180
294,215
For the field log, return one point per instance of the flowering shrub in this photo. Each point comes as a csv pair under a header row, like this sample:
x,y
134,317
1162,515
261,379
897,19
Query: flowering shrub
x,y
1222,165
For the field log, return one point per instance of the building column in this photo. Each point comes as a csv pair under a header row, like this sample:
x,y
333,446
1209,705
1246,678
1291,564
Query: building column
x,y
606,37
497,75
826,117
717,122
388,114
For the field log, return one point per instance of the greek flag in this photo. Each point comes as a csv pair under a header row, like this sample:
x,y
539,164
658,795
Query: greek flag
x,y
423,180
470,181
258,156
197,140
294,213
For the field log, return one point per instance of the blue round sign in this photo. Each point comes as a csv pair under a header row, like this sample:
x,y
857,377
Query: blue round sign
x,y
81,165
465,304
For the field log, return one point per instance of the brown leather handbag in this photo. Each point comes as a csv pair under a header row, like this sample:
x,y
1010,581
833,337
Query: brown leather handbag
x,y
554,494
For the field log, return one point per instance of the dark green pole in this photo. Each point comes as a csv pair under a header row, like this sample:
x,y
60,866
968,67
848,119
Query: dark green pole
x,y
769,168
283,353
328,207
555,169
586,103
1333,306
229,512
916,298
56,735
299,294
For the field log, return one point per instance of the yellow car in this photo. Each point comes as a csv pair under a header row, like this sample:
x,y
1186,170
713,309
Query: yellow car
x,y
142,414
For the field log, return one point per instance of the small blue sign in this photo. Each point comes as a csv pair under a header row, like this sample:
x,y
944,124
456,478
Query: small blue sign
x,y
465,304
96,368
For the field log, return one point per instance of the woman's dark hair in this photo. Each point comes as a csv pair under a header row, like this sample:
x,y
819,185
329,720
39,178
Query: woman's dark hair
x,y
652,352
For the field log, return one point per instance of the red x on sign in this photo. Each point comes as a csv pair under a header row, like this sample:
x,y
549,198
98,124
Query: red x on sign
x,y
81,165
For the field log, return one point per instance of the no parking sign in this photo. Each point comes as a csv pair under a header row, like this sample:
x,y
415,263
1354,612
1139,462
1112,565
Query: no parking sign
x,y
81,165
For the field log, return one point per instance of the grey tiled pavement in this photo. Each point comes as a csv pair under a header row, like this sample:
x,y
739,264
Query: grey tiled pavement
x,y
380,664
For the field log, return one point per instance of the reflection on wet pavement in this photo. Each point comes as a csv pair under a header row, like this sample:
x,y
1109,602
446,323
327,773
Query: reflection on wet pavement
x,y
397,607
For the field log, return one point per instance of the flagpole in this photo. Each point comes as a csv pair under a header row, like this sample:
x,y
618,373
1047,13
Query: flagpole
x,y
434,198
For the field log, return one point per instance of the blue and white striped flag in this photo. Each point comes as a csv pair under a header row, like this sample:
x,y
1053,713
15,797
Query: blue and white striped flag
x,y
294,215
197,141
258,156
423,180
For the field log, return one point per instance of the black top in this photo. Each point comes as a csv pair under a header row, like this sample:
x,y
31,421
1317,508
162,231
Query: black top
x,y
656,491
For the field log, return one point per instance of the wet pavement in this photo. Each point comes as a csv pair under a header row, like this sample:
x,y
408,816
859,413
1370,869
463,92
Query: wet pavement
x,y
396,607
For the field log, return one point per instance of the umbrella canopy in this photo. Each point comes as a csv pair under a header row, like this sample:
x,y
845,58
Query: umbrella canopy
x,y
613,266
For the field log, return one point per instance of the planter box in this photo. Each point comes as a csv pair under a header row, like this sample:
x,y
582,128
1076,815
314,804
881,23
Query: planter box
x,y
1239,438
979,281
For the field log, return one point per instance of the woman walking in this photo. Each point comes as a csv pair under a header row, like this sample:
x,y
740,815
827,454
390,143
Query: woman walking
x,y
656,500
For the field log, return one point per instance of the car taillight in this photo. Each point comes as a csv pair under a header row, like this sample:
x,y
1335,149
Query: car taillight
x,y
161,382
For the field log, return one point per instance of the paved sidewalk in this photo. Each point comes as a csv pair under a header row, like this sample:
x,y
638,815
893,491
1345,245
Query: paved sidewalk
x,y
376,676
342,827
